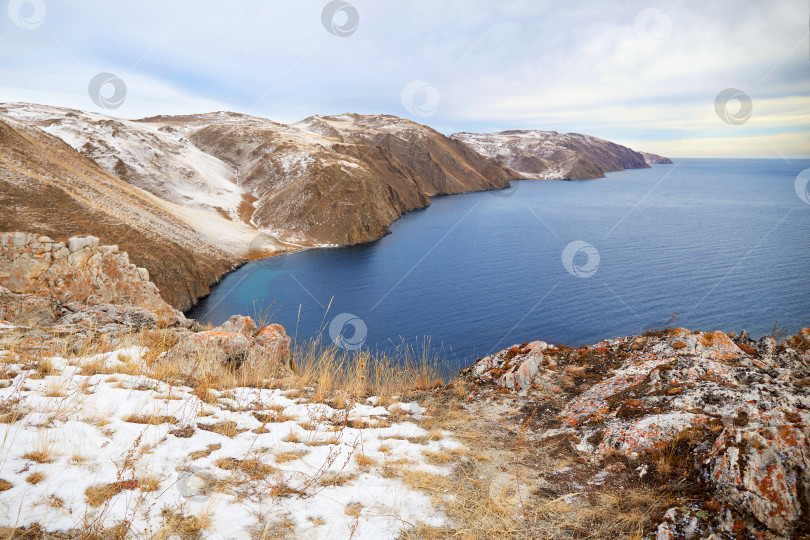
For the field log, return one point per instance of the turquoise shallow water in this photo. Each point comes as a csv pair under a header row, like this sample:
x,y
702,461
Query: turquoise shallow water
x,y
725,244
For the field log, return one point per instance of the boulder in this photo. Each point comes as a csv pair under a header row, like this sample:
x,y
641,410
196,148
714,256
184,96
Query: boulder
x,y
236,345
765,472
195,353
271,344
512,368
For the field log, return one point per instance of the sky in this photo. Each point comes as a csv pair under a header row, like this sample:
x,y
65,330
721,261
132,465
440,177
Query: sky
x,y
702,78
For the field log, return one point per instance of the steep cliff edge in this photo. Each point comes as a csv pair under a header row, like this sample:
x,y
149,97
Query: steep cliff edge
x,y
557,156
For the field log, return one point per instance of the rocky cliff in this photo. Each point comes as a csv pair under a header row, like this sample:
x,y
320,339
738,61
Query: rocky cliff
x,y
556,156
654,159
79,270
442,165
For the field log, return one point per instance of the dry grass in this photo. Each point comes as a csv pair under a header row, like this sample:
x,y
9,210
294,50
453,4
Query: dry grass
x,y
365,462
286,457
95,367
227,428
444,456
10,410
150,419
292,437
45,367
353,509
340,377
205,453
176,524
35,478
336,479
252,468
283,489
5,485
101,493
42,453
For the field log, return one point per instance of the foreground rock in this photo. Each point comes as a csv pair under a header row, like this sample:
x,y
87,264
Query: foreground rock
x,y
238,346
731,412
79,270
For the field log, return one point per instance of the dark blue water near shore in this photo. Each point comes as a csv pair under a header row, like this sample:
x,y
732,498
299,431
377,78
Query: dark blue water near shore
x,y
723,243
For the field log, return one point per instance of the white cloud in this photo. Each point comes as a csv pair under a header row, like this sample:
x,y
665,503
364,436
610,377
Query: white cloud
x,y
542,64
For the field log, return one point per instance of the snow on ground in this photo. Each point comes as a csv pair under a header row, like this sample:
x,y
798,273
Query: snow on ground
x,y
83,450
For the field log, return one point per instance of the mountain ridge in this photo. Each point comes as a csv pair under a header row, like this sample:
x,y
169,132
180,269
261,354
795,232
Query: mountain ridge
x,y
193,196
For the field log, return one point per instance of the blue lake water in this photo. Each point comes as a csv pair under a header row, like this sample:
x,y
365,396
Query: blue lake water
x,y
723,243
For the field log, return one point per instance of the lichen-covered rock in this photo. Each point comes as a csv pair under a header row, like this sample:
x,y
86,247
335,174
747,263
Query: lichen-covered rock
x,y
512,368
765,471
79,271
271,342
238,345
740,408
25,309
195,352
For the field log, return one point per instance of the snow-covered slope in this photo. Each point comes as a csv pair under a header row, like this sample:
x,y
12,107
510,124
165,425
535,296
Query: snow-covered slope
x,y
152,157
51,189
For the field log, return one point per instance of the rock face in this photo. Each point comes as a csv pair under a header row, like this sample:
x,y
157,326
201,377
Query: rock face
x,y
80,271
738,410
556,156
239,346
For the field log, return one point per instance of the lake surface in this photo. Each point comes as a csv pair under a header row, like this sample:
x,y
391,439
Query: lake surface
x,y
724,244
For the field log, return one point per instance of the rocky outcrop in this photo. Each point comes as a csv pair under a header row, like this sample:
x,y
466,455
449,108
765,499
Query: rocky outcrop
x,y
737,412
556,156
238,345
79,270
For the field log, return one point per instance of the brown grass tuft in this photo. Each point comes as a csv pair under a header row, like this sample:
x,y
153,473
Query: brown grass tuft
x,y
35,478
101,493
227,428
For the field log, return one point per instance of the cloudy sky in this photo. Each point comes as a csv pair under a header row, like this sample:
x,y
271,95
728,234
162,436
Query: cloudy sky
x,y
643,73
